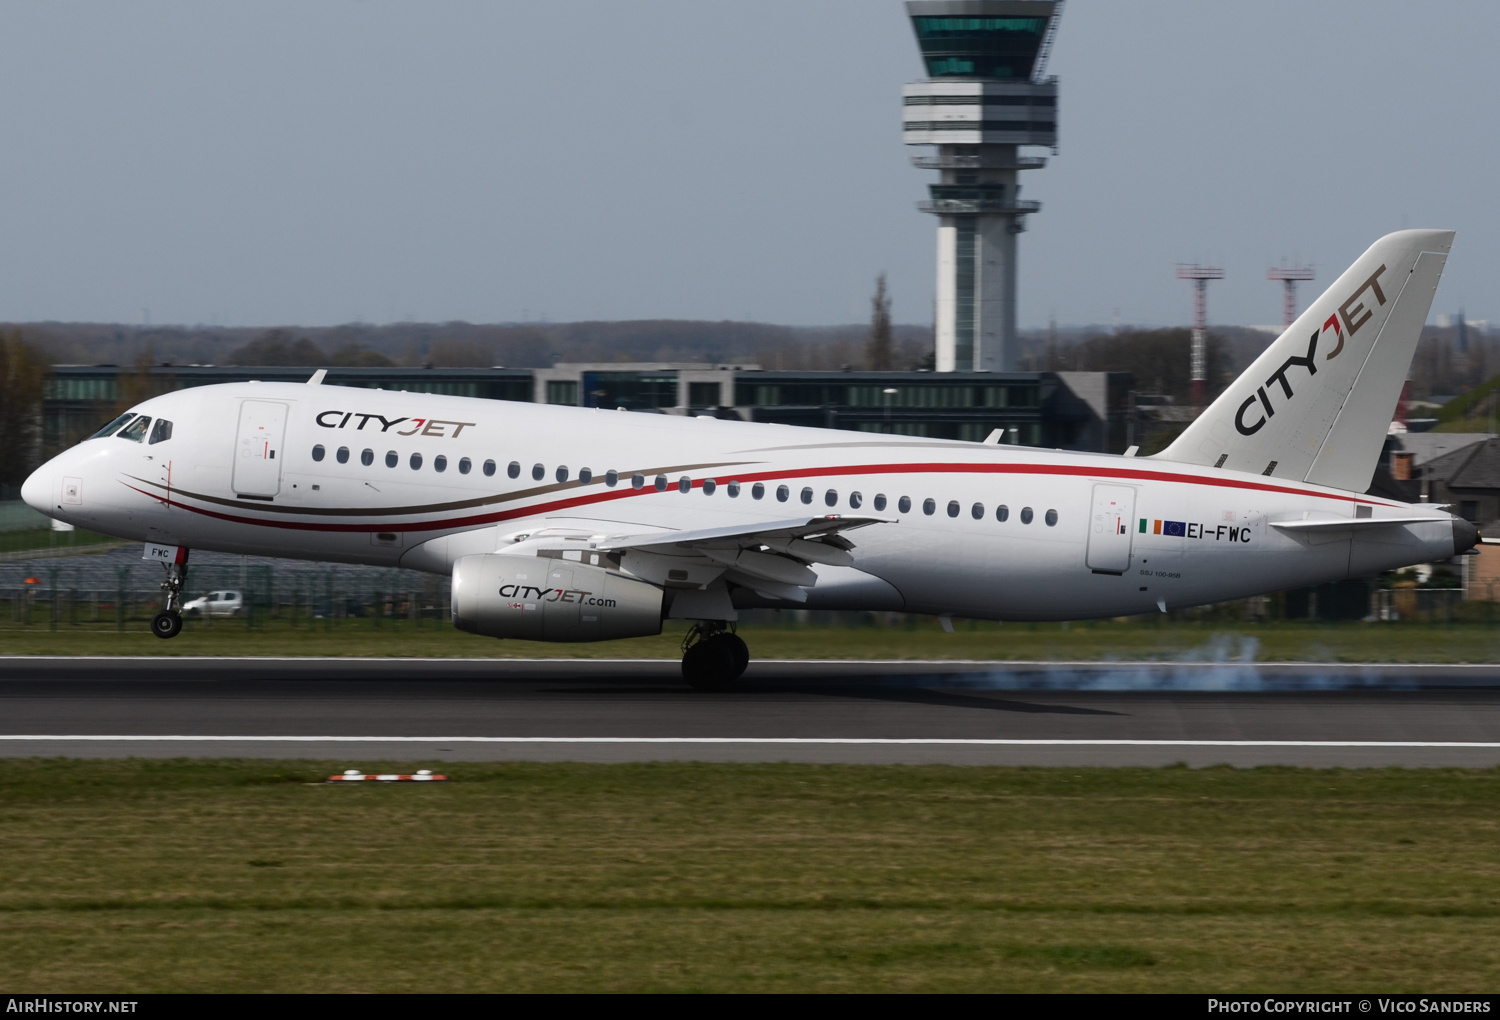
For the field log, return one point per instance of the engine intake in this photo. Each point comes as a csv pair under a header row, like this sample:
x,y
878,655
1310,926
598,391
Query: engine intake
x,y
551,600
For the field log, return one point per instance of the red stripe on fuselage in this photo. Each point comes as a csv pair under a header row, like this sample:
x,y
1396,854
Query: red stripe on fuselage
x,y
1135,474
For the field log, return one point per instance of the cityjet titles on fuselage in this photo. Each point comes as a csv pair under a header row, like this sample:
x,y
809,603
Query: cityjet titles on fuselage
x,y
438,428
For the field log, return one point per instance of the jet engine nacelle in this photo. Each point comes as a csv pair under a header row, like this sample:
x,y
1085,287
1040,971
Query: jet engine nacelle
x,y
551,600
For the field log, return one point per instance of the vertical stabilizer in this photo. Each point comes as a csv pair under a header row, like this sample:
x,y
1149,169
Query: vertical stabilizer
x,y
1316,405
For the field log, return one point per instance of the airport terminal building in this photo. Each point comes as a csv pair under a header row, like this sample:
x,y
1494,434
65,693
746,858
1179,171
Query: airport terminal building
x,y
1066,410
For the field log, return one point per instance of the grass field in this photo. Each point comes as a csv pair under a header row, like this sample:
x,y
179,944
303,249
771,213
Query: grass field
x,y
253,876
919,638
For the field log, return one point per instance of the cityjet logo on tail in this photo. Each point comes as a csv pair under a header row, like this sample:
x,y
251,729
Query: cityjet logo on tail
x,y
1354,314
437,427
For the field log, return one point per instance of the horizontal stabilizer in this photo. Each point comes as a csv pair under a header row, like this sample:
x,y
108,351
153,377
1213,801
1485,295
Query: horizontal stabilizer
x,y
1357,523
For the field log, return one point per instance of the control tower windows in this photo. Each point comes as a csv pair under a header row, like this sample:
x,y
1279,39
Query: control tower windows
x,y
980,47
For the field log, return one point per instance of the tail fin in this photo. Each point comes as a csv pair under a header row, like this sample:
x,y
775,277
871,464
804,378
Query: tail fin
x,y
1317,404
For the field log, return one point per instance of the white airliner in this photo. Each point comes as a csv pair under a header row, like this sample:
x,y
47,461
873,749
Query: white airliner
x,y
573,524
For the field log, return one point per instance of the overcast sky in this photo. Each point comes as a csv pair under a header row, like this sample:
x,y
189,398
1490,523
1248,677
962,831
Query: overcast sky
x,y
273,163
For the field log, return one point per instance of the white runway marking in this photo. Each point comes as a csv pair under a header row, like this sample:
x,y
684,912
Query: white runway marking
x,y
934,741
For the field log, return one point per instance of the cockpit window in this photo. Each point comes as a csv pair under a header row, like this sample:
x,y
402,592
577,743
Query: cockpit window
x,y
113,426
136,432
161,432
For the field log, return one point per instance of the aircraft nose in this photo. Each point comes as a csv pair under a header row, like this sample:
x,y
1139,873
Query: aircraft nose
x,y
36,491
1465,536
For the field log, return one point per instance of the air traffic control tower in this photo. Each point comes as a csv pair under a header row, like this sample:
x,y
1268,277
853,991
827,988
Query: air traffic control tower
x,y
983,99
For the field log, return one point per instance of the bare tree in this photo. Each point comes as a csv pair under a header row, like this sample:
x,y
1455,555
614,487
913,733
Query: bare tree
x,y
22,375
878,349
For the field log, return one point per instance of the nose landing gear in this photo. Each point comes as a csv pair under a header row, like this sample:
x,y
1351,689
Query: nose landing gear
x,y
713,656
168,622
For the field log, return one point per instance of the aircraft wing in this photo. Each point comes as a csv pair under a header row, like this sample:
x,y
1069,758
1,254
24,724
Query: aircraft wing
x,y
772,558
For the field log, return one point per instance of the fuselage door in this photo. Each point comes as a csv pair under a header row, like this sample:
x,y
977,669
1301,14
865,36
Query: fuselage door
x,y
257,460
1109,528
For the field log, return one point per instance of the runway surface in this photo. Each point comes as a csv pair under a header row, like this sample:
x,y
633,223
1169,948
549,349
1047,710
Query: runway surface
x,y
361,711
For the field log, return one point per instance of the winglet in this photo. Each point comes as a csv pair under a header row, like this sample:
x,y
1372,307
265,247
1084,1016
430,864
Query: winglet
x,y
317,377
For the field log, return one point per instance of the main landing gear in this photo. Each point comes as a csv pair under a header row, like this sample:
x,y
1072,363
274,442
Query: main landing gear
x,y
713,657
168,622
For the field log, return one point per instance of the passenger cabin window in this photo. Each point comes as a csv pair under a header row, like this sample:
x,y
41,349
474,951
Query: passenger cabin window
x,y
465,465
1051,518
637,481
367,458
136,431
807,495
162,431
562,474
855,499
879,501
1026,515
929,506
757,491
391,459
830,498
318,452
1002,513
585,476
709,485
733,488
904,504
538,472
440,463
611,478
113,426
416,461
977,511
343,455
953,508
489,469
782,493
513,469
661,483
684,484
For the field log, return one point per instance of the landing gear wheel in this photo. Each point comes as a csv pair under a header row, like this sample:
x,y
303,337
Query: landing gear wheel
x,y
709,665
166,624
738,650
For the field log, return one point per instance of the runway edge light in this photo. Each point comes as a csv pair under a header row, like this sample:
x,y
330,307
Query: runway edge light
x,y
356,776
